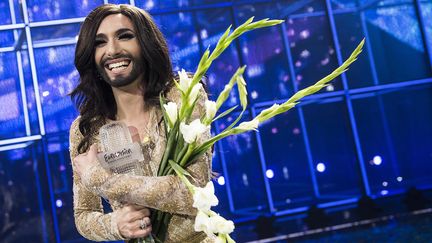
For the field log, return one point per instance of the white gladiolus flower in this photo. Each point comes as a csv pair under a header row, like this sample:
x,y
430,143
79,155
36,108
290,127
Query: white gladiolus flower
x,y
250,125
210,107
194,93
192,131
202,223
171,110
217,224
204,198
185,81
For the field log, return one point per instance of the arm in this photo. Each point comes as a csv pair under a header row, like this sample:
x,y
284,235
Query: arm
x,y
90,219
165,193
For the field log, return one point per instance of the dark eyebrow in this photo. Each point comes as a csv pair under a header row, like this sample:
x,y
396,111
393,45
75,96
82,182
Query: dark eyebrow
x,y
118,32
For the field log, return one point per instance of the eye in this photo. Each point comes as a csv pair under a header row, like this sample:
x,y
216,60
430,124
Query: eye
x,y
99,42
126,36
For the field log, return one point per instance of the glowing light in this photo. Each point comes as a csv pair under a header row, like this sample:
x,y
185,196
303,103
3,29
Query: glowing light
x,y
194,39
296,131
274,130
245,50
399,178
285,172
385,183
288,200
330,88
304,34
221,180
149,4
298,64
254,94
204,34
45,93
245,180
325,61
59,203
305,54
269,173
321,167
377,160
384,192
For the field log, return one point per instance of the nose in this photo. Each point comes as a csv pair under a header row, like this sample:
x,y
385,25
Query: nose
x,y
112,48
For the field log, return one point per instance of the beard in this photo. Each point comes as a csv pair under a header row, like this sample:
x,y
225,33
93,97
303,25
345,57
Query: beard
x,y
122,80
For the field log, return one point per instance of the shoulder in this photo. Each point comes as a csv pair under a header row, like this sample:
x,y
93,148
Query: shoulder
x,y
75,125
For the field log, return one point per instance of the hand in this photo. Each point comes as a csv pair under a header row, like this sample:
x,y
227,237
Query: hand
x,y
85,161
130,220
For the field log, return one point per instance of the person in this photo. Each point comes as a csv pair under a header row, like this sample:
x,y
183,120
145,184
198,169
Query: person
x,y
123,62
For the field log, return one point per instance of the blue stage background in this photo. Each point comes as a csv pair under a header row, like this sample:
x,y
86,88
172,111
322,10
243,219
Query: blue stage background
x,y
368,133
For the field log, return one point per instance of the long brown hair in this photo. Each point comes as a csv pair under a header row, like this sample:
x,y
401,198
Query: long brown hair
x,y
93,96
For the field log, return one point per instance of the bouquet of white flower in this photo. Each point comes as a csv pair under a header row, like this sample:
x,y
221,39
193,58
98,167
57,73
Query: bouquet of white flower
x,y
183,143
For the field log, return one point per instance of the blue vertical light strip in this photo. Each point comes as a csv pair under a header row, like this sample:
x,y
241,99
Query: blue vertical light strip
x,y
300,111
39,193
389,140
132,2
33,68
257,135
225,170
51,189
20,71
426,38
264,169
364,178
40,116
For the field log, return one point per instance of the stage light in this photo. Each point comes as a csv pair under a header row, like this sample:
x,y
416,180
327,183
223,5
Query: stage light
x,y
304,34
245,179
45,93
377,160
59,203
221,180
399,178
321,167
385,183
384,192
269,173
285,172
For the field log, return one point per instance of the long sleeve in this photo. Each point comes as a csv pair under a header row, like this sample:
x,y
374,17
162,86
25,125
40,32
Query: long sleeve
x,y
165,193
90,220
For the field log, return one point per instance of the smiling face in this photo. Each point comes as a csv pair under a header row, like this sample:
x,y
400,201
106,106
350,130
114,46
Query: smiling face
x,y
118,53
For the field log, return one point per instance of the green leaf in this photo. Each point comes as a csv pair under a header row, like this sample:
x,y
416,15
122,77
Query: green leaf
x,y
235,122
225,113
177,168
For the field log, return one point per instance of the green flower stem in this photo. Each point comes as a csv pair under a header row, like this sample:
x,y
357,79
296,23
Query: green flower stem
x,y
223,43
185,158
168,148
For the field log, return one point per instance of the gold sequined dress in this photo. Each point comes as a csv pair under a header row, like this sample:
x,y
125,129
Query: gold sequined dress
x,y
165,193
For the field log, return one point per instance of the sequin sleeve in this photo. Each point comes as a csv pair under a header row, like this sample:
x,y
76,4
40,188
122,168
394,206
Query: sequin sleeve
x,y
165,193
90,219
